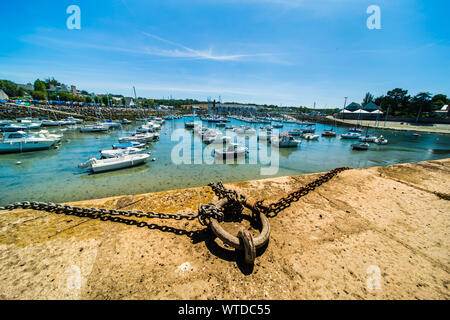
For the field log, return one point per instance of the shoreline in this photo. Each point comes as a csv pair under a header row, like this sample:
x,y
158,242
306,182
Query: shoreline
x,y
321,247
391,125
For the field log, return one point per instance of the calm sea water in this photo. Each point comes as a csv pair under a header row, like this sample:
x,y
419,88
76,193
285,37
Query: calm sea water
x,y
52,175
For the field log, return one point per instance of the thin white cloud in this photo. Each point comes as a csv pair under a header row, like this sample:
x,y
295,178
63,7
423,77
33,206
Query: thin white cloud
x,y
180,51
187,52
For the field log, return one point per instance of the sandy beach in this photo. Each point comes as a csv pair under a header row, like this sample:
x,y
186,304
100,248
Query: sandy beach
x,y
387,226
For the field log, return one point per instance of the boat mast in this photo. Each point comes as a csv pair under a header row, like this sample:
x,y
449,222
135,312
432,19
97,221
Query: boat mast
x,y
137,105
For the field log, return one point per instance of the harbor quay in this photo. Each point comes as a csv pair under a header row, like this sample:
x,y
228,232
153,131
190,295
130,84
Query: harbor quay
x,y
369,233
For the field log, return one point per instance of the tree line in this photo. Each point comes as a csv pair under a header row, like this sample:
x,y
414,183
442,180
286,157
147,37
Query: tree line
x,y
398,102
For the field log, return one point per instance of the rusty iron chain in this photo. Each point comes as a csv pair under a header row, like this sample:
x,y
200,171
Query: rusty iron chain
x,y
273,209
234,205
52,207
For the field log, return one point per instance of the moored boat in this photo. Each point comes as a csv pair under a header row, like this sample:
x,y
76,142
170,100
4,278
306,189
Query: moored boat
x,y
140,137
132,144
19,141
285,141
381,141
113,153
121,162
233,151
94,128
309,136
360,146
367,138
350,135
329,134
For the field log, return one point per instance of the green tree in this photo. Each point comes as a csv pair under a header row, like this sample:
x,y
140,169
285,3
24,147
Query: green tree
x,y
38,95
105,100
396,101
421,103
39,86
51,82
88,99
367,99
439,100
11,89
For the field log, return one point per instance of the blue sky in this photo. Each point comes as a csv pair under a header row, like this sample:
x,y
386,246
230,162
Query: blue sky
x,y
285,52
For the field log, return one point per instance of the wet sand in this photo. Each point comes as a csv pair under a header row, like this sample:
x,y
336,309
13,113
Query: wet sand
x,y
329,245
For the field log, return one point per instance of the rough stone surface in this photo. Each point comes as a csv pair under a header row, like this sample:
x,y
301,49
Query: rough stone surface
x,y
329,245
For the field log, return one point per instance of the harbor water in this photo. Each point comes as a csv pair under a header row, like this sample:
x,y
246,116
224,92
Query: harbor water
x,y
53,175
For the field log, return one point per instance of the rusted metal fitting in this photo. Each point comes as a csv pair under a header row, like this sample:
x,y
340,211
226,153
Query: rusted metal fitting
x,y
244,241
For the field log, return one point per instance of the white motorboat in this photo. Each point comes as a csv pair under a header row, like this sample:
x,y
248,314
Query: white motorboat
x,y
50,123
113,153
233,151
13,127
112,124
48,135
125,121
95,128
20,142
121,162
350,135
31,124
244,130
285,141
132,144
77,121
66,122
140,137
309,129
381,141
360,146
309,136
367,138
147,127
159,120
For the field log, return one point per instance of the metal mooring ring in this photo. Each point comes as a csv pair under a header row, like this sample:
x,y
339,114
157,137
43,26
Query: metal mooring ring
x,y
234,242
247,241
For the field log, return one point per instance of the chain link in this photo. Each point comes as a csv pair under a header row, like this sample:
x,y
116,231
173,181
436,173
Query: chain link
x,y
51,207
273,209
234,206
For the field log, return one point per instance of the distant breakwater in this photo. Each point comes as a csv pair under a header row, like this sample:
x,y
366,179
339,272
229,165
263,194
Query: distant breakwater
x,y
88,113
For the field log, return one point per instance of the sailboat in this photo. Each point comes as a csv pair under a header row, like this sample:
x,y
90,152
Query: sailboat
x,y
367,138
330,132
109,122
190,125
140,119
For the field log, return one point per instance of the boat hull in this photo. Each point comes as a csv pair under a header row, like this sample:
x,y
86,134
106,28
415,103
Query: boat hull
x,y
17,147
104,167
